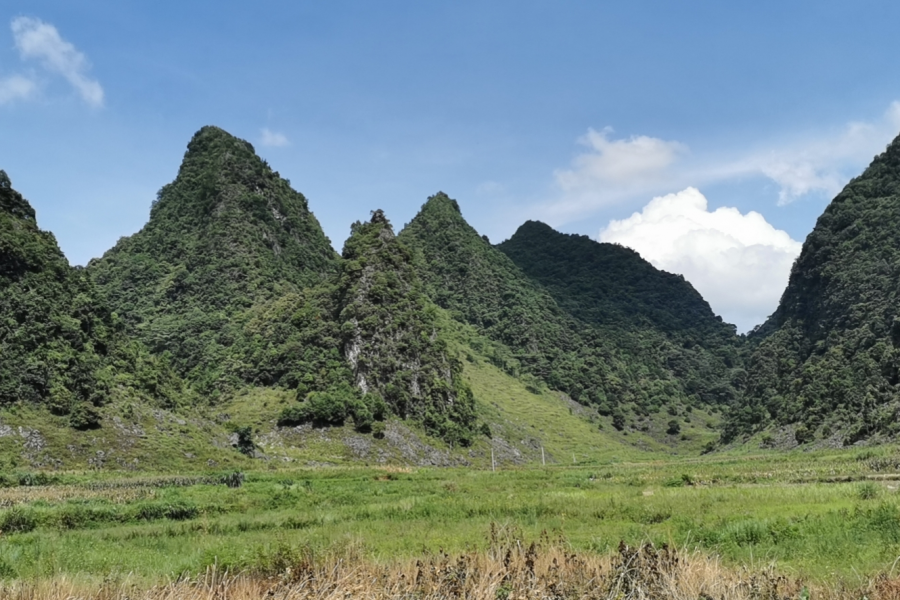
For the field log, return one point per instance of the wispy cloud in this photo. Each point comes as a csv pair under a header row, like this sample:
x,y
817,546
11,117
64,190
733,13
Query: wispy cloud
x,y
16,87
613,171
273,139
619,162
41,42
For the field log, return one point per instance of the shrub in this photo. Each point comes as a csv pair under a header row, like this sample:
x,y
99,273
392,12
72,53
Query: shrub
x,y
84,416
867,491
245,443
673,428
233,480
803,434
293,415
378,428
18,520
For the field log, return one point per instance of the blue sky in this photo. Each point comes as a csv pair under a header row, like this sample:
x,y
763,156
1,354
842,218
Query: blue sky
x,y
575,113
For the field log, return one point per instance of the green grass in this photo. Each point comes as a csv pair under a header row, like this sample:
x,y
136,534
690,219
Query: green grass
x,y
750,510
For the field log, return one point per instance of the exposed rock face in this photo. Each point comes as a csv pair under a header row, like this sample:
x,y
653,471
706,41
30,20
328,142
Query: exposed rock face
x,y
390,330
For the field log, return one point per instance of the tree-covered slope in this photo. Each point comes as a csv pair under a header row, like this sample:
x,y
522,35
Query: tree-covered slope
x,y
829,362
60,347
482,286
644,310
226,234
366,343
609,284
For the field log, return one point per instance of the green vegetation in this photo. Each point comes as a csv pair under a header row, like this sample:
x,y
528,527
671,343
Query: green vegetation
x,y
653,314
228,343
61,348
618,369
793,509
828,360
227,234
391,337
230,314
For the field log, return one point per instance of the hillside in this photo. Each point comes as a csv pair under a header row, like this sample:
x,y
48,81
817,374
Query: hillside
x,y
226,234
828,364
537,338
62,350
366,344
642,308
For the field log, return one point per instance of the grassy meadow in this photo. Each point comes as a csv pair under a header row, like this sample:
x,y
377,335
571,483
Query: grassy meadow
x,y
823,517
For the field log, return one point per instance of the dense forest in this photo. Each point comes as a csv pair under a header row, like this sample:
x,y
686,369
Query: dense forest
x,y
232,285
61,346
827,361
620,363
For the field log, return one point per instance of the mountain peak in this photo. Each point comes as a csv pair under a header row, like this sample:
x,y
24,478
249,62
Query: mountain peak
x,y
210,134
227,233
12,201
441,202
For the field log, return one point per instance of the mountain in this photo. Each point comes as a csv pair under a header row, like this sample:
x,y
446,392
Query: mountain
x,y
645,310
827,364
225,235
480,285
61,347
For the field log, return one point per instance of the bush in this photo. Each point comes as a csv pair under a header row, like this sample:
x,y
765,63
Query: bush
x,y
18,520
803,434
378,428
293,415
867,491
84,416
326,408
245,443
673,428
233,480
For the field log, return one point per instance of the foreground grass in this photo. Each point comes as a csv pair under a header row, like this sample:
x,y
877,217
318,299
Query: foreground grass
x,y
823,517
509,568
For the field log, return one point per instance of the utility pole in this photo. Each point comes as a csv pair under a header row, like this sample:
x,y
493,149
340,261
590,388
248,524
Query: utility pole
x,y
543,461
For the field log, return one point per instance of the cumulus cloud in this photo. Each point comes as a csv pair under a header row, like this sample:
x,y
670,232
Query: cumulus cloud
x,y
613,171
273,139
739,262
16,87
40,41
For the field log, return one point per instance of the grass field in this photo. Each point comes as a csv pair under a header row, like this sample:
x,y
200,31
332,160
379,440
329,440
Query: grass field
x,y
824,517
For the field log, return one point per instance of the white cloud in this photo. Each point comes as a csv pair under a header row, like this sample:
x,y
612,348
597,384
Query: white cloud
x,y
273,139
41,41
614,171
16,87
621,162
739,262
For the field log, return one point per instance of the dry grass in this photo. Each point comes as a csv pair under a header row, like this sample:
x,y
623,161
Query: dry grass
x,y
508,570
57,494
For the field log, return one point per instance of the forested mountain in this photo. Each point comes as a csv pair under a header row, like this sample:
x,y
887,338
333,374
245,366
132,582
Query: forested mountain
x,y
829,360
615,368
647,311
225,235
232,285
59,345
